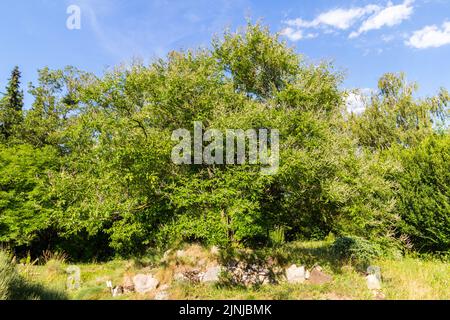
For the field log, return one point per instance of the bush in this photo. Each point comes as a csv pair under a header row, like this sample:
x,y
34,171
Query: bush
x,y
355,250
425,194
14,287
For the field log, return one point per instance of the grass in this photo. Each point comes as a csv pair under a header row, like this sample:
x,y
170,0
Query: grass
x,y
409,278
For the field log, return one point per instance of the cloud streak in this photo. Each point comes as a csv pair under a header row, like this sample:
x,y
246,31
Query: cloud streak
x,y
370,17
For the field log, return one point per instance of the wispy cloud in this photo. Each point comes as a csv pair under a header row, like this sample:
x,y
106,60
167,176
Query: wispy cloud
x,y
430,37
388,17
370,17
336,18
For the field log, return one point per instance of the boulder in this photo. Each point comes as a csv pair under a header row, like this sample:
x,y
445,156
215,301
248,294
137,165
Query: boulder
x,y
180,277
373,283
144,283
373,278
162,295
295,274
73,278
318,277
211,274
180,253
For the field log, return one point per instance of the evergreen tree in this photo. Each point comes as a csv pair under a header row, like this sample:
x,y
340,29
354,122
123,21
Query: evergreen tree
x,y
11,105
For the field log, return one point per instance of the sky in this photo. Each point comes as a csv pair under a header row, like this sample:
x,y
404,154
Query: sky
x,y
364,39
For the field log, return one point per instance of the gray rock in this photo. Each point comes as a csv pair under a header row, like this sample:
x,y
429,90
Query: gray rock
x,y
162,295
211,274
373,278
375,270
73,278
181,253
373,283
295,274
144,283
180,277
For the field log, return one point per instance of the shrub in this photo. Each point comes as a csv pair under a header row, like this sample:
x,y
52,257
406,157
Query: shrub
x,y
425,194
355,250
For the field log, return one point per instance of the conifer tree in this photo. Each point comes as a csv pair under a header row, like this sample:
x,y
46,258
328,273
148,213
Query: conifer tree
x,y
11,106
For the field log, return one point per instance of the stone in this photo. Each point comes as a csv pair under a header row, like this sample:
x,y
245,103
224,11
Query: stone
x,y
318,277
162,295
144,283
180,277
373,278
375,270
295,274
164,287
181,253
373,283
73,278
307,274
115,291
211,274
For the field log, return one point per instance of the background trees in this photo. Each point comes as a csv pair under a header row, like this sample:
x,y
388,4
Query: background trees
x,y
90,172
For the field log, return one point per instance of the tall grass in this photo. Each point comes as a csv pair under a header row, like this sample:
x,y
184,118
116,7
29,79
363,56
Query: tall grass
x,y
13,286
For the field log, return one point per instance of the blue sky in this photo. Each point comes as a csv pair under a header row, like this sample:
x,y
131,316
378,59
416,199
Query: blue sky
x,y
363,38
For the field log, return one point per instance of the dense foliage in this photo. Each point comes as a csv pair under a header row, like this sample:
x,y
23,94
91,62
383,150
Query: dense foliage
x,y
87,168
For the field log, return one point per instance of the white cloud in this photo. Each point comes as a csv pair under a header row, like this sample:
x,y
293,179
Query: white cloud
x,y
291,34
337,18
372,17
356,100
388,17
342,18
430,37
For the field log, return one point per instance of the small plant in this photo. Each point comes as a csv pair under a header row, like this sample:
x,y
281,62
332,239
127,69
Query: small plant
x,y
276,236
48,256
355,250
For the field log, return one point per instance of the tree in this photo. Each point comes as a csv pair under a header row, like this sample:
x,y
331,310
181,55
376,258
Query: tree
x,y
394,116
11,106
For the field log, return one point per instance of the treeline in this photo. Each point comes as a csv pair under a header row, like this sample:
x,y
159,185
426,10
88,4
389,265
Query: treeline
x,y
87,167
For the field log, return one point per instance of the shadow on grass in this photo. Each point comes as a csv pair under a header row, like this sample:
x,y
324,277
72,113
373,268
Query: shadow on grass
x,y
303,254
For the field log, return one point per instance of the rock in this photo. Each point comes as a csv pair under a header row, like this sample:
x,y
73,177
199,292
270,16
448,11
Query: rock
x,y
144,283
373,283
164,287
375,270
295,274
115,291
318,277
73,278
162,295
373,278
307,274
211,274
179,277
193,276
181,253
